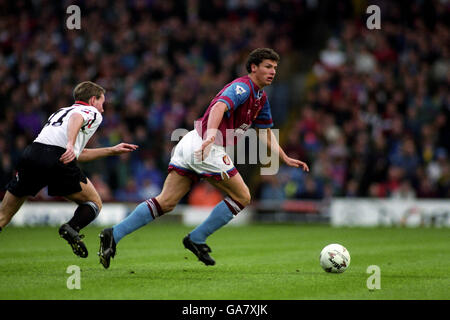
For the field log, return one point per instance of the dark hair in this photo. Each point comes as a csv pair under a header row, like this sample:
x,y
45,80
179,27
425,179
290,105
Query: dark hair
x,y
258,55
87,89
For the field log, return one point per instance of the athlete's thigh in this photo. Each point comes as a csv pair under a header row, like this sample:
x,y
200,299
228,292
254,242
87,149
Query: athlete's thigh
x,y
175,188
235,187
87,193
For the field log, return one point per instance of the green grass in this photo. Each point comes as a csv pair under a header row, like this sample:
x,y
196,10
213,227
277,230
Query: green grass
x,y
258,262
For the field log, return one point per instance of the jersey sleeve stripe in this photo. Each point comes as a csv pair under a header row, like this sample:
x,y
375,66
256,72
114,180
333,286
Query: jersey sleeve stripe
x,y
227,101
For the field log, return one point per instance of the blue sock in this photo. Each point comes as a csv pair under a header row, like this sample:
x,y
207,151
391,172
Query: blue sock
x,y
139,217
219,217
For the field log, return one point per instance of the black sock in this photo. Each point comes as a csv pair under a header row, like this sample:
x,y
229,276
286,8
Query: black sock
x,y
85,214
0,229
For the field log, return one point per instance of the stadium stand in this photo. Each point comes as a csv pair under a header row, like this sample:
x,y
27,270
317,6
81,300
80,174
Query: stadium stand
x,y
372,119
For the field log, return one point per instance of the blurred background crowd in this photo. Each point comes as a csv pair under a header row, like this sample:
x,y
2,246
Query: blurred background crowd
x,y
368,110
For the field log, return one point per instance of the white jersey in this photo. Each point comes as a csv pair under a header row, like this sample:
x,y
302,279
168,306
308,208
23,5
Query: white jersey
x,y
55,130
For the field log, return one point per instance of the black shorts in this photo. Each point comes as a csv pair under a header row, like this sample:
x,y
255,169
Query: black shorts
x,y
39,166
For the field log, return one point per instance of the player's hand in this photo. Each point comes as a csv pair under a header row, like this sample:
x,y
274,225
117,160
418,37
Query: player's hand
x,y
123,148
68,156
203,152
296,164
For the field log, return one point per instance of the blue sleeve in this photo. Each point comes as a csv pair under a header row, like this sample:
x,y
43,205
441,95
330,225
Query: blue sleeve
x,y
235,95
264,118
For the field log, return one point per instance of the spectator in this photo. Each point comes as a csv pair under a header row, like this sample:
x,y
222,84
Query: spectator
x,y
149,189
381,100
404,192
129,193
102,188
271,188
311,190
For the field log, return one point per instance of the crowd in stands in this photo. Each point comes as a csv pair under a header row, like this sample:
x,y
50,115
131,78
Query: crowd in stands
x,y
374,120
160,61
376,117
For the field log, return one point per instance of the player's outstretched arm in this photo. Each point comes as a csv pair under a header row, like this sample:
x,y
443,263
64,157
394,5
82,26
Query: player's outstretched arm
x,y
271,141
97,153
215,117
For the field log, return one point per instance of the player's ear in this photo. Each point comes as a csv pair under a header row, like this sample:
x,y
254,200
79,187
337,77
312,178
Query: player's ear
x,y
91,100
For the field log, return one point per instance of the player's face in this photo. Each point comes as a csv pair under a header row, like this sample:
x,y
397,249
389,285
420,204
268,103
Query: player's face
x,y
265,72
98,103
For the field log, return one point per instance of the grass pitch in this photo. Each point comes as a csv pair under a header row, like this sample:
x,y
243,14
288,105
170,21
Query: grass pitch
x,y
257,262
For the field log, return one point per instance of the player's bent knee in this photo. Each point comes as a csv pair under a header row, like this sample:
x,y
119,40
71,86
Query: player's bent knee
x,y
244,199
247,199
99,205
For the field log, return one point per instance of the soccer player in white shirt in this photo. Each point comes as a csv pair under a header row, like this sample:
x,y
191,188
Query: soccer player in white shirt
x,y
51,160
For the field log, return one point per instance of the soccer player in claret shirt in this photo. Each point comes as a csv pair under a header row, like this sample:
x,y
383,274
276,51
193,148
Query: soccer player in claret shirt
x,y
201,154
52,160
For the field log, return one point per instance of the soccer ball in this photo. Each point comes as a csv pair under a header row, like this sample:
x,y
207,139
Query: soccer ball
x,y
334,258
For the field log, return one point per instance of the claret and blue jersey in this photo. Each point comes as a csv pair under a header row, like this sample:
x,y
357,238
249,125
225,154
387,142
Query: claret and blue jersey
x,y
246,104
